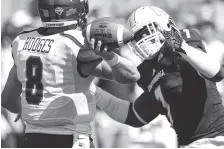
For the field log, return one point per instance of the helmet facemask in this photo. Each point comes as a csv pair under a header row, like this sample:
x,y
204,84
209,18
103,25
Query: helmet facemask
x,y
148,40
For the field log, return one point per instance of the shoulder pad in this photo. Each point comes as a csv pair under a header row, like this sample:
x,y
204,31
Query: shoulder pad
x,y
74,34
190,35
193,38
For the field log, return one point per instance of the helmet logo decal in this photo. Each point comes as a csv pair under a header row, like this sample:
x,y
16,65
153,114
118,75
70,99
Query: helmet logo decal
x,y
45,12
59,10
71,12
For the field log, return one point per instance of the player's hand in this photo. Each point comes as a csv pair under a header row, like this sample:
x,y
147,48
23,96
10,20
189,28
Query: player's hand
x,y
102,51
170,31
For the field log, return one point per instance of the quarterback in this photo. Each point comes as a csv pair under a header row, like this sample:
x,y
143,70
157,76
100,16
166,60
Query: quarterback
x,y
178,79
53,75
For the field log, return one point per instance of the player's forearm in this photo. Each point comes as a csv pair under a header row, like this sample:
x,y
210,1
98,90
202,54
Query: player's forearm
x,y
202,62
114,107
123,70
119,110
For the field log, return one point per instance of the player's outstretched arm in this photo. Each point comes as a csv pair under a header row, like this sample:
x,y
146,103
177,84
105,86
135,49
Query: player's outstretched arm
x,y
92,62
114,107
135,115
113,67
123,70
11,92
202,62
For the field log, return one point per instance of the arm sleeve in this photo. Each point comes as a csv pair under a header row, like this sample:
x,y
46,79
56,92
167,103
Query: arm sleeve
x,y
143,111
14,47
146,107
86,59
114,107
9,99
83,54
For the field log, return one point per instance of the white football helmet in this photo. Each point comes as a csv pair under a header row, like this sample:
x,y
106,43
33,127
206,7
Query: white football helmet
x,y
148,40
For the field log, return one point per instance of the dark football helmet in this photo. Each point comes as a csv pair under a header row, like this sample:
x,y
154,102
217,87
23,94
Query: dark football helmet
x,y
59,13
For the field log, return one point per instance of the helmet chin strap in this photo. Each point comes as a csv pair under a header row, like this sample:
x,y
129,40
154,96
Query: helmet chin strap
x,y
59,24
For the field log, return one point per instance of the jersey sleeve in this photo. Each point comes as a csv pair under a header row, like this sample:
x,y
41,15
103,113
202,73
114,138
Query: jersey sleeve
x,y
193,38
79,46
147,108
86,55
14,47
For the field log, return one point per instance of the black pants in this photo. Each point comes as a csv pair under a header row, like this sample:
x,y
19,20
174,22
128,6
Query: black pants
x,y
36,140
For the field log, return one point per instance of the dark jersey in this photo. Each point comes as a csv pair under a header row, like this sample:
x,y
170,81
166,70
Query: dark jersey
x,y
174,88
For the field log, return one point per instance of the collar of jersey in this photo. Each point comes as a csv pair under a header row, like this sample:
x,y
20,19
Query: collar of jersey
x,y
43,30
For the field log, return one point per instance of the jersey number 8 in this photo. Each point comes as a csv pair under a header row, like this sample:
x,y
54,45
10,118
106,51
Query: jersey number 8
x,y
34,86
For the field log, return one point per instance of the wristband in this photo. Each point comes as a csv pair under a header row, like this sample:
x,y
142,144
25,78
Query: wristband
x,y
114,61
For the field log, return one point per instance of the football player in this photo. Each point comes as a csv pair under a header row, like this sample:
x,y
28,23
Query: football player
x,y
178,79
53,74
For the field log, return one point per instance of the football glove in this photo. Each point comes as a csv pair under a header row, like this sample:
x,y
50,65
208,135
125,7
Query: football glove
x,y
170,32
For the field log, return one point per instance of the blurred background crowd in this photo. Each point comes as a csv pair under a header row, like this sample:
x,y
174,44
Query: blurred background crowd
x,y
207,16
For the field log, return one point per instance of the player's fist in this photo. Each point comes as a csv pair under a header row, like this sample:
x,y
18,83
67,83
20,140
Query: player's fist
x,y
170,32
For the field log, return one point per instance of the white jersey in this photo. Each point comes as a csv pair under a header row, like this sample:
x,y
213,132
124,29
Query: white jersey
x,y
54,95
